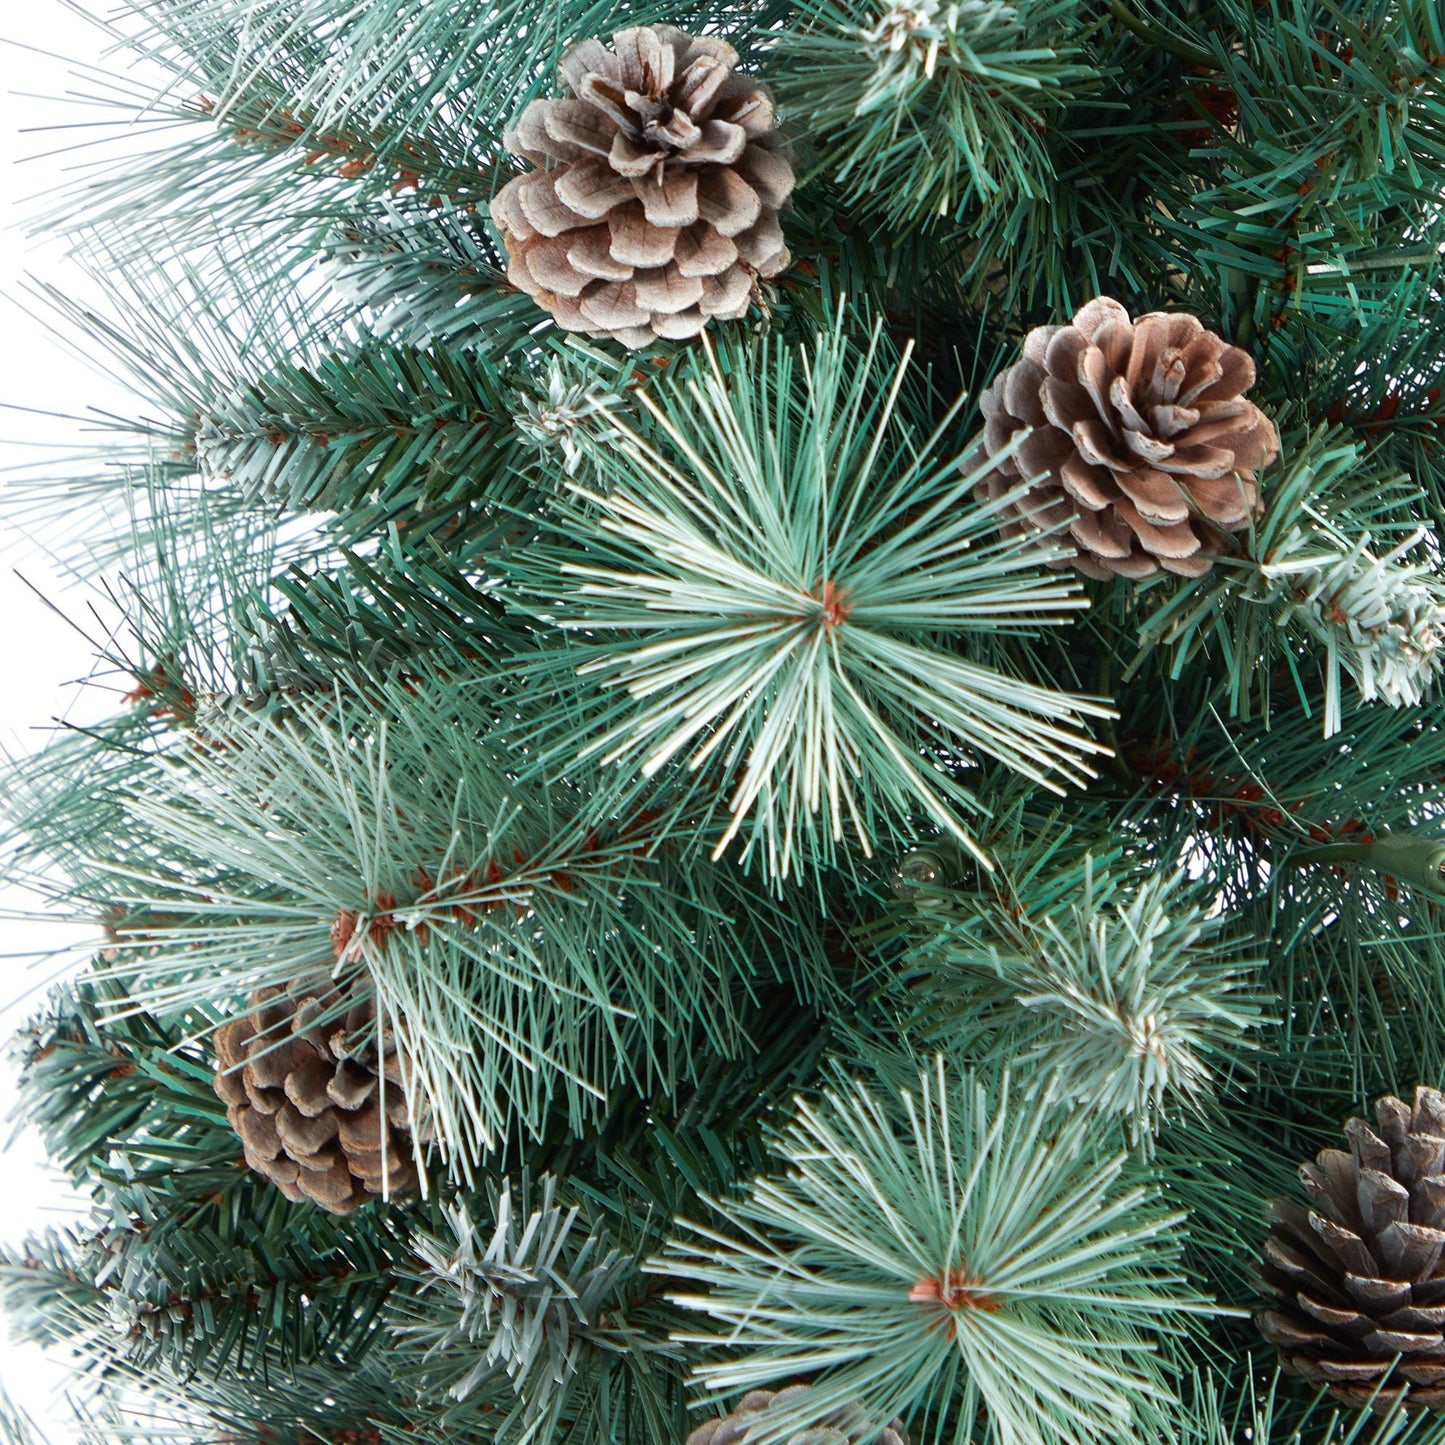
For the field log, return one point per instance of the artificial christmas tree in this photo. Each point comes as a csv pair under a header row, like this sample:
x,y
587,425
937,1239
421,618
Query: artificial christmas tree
x,y
778,745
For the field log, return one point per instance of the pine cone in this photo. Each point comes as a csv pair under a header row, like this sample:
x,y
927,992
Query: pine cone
x,y
1358,1277
838,1427
1145,444
306,1098
655,205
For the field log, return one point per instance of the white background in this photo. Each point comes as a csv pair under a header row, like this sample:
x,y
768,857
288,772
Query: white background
x,y
41,654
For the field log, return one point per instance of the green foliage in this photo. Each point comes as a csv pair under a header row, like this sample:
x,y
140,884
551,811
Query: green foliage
x,y
929,109
758,588
510,677
525,953
1322,195
1122,992
545,1331
896,1254
1262,1406
121,1099
94,1423
393,427
1306,585
428,280
191,1271
388,614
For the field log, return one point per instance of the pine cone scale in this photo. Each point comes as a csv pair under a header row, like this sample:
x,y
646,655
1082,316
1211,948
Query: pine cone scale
x,y
258,1133
263,1101
1172,541
668,201
1102,535
1344,1319
1377,1294
575,127
848,1424
543,210
633,243
1155,495
667,290
305,1086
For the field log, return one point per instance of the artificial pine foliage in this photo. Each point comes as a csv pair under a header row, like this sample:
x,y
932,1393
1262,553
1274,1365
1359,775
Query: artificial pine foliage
x,y
767,820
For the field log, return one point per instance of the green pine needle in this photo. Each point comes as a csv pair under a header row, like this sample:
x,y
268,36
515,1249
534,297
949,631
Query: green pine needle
x,y
1125,993
763,590
959,1249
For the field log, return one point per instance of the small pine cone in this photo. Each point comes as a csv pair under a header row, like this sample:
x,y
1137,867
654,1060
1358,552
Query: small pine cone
x,y
844,1426
1358,1277
1144,444
304,1087
654,208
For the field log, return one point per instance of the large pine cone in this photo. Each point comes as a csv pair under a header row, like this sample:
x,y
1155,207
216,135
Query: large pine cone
x,y
1358,1278
303,1081
1145,444
657,205
839,1427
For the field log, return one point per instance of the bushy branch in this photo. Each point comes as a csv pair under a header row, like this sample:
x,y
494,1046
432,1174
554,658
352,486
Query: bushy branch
x,y
929,108
1306,588
762,589
1122,991
528,956
895,1254
540,1330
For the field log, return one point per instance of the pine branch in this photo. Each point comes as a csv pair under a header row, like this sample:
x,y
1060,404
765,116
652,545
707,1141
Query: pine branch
x,y
1122,991
381,431
767,634
896,1256
429,281
929,110
528,957
248,1313
128,1087
1320,205
544,1330
1306,591
374,617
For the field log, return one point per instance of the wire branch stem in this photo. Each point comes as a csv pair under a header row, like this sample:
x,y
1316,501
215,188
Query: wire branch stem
x,y
1160,39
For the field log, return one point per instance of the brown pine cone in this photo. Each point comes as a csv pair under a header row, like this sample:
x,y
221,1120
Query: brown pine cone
x,y
654,207
304,1088
837,1427
1144,444
1358,1278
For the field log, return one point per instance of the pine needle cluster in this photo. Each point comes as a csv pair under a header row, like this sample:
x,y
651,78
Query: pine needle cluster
x,y
752,581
